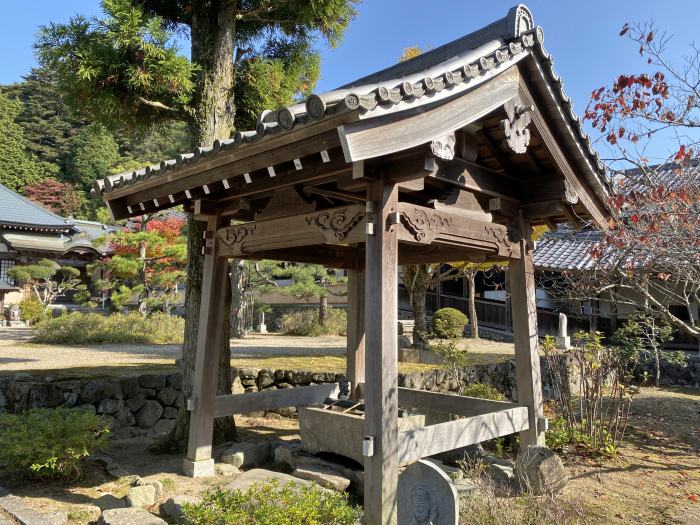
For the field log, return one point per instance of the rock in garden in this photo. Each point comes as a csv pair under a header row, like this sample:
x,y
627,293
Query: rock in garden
x,y
152,381
325,477
107,406
129,516
172,508
539,470
247,454
170,413
174,381
135,403
130,386
167,396
265,379
149,413
226,470
141,496
153,483
258,475
163,426
124,417
109,501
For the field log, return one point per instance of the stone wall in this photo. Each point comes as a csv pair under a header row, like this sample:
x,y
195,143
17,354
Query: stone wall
x,y
148,404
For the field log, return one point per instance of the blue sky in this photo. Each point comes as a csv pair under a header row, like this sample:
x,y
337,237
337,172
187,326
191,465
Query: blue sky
x,y
581,35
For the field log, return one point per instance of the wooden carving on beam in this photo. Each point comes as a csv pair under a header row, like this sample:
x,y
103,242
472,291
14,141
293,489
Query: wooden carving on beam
x,y
570,195
444,147
515,126
501,235
338,221
421,223
233,236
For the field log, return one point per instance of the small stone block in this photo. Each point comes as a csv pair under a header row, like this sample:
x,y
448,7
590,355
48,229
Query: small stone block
x,y
247,454
198,469
540,470
141,496
129,516
325,477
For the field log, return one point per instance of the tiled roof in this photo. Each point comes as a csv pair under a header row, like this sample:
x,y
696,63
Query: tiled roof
x,y
7,287
566,250
670,175
18,212
434,75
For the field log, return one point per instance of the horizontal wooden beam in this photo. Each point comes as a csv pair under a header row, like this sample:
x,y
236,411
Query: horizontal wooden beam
x,y
340,225
450,403
332,256
473,177
270,399
442,437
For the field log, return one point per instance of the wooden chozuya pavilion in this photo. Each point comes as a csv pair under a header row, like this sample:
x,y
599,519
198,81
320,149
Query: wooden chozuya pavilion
x,y
452,155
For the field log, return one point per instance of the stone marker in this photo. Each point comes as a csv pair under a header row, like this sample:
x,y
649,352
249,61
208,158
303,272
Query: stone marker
x,y
325,477
540,470
562,340
247,454
426,496
129,516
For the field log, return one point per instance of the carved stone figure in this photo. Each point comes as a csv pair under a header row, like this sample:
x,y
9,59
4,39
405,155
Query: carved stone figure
x,y
14,312
424,512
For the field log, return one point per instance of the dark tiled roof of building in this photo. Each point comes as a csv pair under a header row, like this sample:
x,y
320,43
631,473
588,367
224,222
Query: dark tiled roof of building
x,y
671,175
434,75
7,287
566,250
16,212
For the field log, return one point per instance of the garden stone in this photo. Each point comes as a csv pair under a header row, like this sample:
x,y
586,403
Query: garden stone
x,y
141,496
167,396
45,396
325,477
130,386
70,399
226,470
149,413
427,495
539,470
252,388
152,483
95,391
109,501
152,381
247,454
124,417
454,457
258,475
135,403
265,379
107,406
163,426
172,508
283,452
170,413
285,412
301,377
69,384
283,386
23,377
501,471
174,381
130,516
236,386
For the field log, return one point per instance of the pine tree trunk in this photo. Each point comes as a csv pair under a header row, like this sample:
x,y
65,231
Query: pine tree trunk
x,y
238,303
473,321
212,35
418,278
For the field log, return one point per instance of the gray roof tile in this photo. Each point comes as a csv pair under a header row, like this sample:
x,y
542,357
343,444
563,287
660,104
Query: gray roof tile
x,y
16,211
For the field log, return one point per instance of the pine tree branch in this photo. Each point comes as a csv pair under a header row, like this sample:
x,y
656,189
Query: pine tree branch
x,y
179,112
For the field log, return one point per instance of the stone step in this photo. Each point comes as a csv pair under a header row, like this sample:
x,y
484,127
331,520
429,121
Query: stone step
x,y
259,475
325,477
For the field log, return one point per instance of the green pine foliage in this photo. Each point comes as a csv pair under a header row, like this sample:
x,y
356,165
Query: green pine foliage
x,y
17,166
90,155
48,443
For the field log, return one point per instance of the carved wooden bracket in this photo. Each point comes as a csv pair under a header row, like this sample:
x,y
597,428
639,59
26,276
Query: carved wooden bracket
x,y
338,221
515,126
233,236
424,226
444,147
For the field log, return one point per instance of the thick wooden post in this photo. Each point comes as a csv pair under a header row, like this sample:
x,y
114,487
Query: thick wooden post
x,y
356,333
211,319
381,340
528,377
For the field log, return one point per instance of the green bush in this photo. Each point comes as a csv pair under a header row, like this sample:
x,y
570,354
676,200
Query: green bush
x,y
49,443
305,322
449,323
272,504
79,328
483,391
32,310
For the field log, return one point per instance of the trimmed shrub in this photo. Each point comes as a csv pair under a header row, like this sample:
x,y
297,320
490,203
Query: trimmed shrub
x,y
32,310
449,323
483,391
49,442
305,322
272,504
132,328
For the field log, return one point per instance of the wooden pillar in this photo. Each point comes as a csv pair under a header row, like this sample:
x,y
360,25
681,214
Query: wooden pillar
x,y
528,377
212,316
356,333
381,340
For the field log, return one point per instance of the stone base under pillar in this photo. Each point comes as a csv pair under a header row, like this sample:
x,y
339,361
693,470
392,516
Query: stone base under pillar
x,y
563,342
198,469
